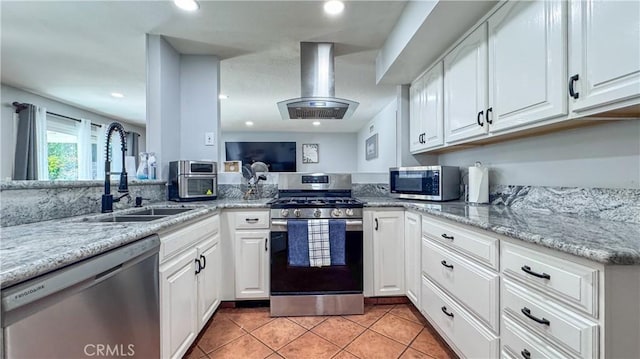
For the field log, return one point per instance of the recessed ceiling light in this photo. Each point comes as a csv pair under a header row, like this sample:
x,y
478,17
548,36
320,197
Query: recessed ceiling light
x,y
188,5
249,123
117,95
223,96
333,7
316,123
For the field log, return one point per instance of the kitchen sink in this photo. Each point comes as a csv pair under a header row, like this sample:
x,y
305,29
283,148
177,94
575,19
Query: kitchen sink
x,y
129,218
160,211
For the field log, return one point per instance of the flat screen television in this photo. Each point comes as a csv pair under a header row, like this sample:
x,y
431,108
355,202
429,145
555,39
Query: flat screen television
x,y
279,156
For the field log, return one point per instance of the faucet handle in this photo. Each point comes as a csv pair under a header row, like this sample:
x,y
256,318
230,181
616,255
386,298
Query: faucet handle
x,y
139,201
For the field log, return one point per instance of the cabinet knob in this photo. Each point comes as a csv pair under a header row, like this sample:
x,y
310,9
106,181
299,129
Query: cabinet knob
x,y
486,116
266,248
204,261
198,266
376,220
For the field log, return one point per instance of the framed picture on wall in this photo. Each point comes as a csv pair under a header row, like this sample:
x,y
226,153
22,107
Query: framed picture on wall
x,y
371,147
310,153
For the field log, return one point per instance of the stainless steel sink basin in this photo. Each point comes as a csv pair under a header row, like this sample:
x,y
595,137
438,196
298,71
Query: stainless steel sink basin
x,y
160,211
130,218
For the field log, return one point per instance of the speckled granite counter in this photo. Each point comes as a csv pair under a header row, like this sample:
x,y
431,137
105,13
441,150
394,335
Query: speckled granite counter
x,y
596,239
29,250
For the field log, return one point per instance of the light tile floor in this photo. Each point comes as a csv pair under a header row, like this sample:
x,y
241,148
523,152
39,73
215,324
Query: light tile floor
x,y
383,331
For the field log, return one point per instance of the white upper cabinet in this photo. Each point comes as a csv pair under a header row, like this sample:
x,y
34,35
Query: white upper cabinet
x,y
527,64
604,54
433,108
465,88
415,118
426,128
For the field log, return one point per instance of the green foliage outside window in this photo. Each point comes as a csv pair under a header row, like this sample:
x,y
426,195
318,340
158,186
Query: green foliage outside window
x,y
63,159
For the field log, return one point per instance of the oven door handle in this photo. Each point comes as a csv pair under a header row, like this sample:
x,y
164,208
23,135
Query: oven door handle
x,y
280,225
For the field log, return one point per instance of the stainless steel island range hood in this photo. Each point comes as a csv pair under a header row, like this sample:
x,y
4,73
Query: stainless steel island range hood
x,y
317,100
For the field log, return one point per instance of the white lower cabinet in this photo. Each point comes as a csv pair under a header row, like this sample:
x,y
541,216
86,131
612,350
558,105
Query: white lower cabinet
x,y
549,319
178,303
412,235
474,286
208,279
252,264
519,342
189,283
466,335
387,238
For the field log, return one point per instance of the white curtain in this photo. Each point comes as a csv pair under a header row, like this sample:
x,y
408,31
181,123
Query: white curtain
x,y
84,150
102,137
42,148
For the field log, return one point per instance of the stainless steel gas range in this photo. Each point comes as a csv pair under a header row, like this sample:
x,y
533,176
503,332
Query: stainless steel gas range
x,y
298,287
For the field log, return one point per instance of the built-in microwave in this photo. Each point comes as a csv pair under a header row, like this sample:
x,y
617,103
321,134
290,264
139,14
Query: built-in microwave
x,y
431,183
193,180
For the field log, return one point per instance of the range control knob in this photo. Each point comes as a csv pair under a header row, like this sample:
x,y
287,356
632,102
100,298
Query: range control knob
x,y
296,212
317,213
349,212
284,213
336,212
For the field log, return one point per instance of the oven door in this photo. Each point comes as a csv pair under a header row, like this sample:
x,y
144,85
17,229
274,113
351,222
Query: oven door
x,y
415,184
335,279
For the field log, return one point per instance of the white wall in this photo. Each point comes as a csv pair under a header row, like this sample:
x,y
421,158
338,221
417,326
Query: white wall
x,y
10,94
199,105
337,150
384,124
163,102
606,155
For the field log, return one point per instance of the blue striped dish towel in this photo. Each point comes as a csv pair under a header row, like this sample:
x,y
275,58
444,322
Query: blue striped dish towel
x,y
319,250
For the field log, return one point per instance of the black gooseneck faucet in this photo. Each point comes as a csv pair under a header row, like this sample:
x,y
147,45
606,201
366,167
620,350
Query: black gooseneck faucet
x,y
107,197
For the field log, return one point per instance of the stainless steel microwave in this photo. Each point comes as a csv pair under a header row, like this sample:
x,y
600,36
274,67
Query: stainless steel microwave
x,y
193,180
431,183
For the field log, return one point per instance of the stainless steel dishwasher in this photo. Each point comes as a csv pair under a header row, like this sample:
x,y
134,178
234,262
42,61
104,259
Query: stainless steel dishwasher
x,y
105,306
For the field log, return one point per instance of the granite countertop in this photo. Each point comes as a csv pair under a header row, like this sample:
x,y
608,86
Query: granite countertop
x,y
599,240
29,250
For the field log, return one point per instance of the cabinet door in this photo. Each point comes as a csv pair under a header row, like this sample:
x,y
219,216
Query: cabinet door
x,y
412,233
527,63
388,253
465,88
178,305
252,264
604,51
432,110
415,120
208,279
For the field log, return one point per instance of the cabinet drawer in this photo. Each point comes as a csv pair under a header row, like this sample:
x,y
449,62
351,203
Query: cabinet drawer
x,y
572,283
551,320
251,220
472,284
458,327
175,241
519,342
476,245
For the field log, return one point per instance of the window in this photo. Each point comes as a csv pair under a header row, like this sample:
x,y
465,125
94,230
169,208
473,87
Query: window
x,y
63,145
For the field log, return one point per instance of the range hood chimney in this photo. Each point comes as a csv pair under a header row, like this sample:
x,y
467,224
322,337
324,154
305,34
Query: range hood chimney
x,y
317,100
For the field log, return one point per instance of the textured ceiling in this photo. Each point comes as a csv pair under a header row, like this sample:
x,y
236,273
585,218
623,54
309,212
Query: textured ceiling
x,y
80,52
